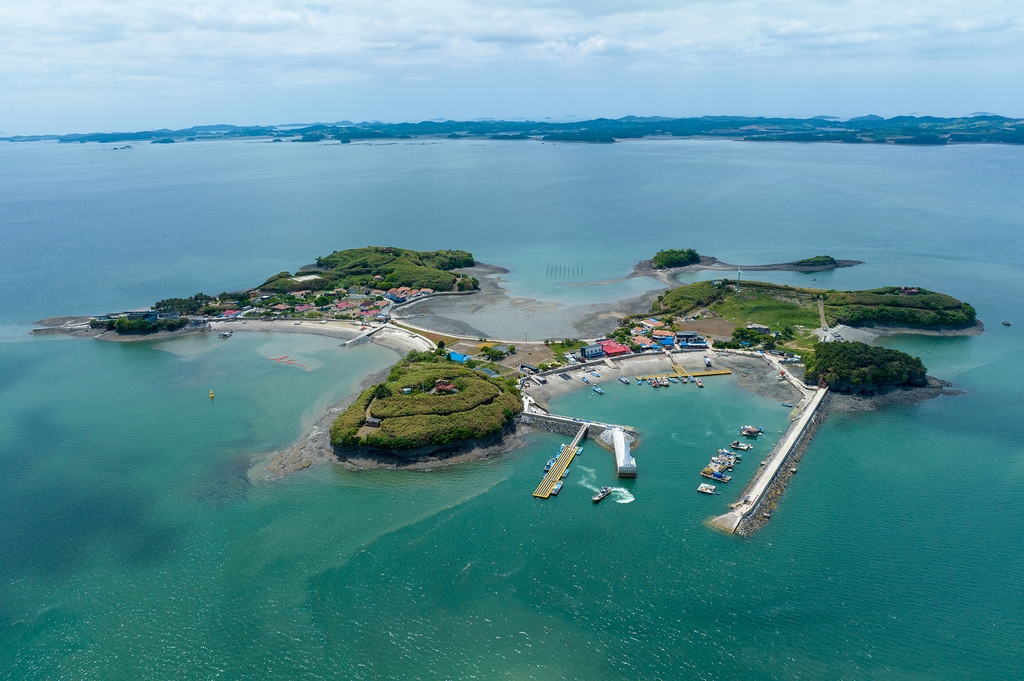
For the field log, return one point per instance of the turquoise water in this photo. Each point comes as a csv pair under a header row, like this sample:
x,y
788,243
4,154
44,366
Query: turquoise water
x,y
133,545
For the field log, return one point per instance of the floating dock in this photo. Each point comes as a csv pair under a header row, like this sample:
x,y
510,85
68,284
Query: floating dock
x,y
680,372
543,490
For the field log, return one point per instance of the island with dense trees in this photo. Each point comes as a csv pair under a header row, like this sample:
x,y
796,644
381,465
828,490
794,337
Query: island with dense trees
x,y
427,404
861,368
672,257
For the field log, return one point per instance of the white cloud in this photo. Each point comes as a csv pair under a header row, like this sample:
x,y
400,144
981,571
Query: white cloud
x,y
51,49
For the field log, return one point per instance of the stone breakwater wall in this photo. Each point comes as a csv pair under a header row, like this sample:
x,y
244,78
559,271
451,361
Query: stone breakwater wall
x,y
569,428
762,511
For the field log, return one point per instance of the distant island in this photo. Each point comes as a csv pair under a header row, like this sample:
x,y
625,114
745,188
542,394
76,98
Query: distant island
x,y
429,403
900,130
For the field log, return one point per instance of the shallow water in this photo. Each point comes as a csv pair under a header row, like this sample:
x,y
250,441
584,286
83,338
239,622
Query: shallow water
x,y
132,544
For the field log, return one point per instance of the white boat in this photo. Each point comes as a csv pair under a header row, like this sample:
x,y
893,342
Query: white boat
x,y
623,380
298,322
700,384
226,334
557,488
705,488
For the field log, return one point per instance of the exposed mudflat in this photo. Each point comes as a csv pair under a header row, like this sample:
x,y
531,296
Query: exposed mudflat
x,y
893,395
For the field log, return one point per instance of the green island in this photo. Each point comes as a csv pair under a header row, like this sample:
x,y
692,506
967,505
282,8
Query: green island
x,y
862,368
379,267
427,400
817,261
673,257
756,314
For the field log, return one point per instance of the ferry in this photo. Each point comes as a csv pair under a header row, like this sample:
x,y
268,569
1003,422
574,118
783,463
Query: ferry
x,y
604,491
707,361
556,489
787,404
598,390
595,374
673,380
585,380
704,488
751,431
623,380
742,446
700,384
548,465
226,334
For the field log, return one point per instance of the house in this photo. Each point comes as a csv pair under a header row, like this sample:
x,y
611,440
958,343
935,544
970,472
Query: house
x,y
280,307
687,336
503,349
230,313
591,351
377,277
442,385
613,349
652,324
643,341
528,368
304,308
426,291
395,296
458,357
760,328
343,306
905,291
302,294
372,422
638,331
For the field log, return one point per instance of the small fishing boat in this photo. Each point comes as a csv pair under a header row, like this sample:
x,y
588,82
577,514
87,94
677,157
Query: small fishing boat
x,y
595,374
672,379
700,384
556,489
598,390
787,404
565,472
623,380
685,379
226,334
663,381
751,431
548,465
721,477
1006,323
585,380
705,488
601,494
742,446
654,383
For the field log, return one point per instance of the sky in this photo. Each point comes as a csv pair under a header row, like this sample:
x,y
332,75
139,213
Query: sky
x,y
99,65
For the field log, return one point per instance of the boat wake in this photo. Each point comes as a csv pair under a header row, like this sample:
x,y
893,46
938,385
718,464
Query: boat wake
x,y
589,480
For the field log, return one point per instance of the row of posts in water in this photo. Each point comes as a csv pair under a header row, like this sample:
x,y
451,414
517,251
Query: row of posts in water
x,y
565,271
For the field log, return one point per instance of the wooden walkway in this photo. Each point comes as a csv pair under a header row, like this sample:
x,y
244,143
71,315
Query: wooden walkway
x,y
543,490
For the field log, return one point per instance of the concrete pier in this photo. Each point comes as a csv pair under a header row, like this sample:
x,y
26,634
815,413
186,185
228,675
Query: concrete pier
x,y
625,464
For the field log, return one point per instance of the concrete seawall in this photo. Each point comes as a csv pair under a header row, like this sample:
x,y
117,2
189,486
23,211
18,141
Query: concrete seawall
x,y
624,463
748,514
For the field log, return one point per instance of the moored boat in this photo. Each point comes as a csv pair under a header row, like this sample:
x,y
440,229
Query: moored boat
x,y
705,488
595,374
742,446
700,383
585,380
548,465
601,494
623,380
685,379
226,334
598,390
672,379
751,431
787,404
556,489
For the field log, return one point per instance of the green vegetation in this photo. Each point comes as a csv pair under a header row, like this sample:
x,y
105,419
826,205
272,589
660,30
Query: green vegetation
x,y
690,297
675,258
192,305
395,267
480,406
858,367
817,260
895,305
128,326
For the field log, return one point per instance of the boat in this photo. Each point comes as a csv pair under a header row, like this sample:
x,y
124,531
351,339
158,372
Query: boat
x,y
601,494
548,465
585,380
298,322
1006,323
598,390
663,382
654,383
700,384
685,379
787,404
751,431
556,489
721,477
672,379
565,472
704,488
595,374
742,446
226,334
623,380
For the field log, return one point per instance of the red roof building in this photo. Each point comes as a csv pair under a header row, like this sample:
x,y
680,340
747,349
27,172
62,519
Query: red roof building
x,y
613,349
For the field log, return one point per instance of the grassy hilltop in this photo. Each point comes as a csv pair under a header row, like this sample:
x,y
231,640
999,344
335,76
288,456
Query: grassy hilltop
x,y
477,407
358,267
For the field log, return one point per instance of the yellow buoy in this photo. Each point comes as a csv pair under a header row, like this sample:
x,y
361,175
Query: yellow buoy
x,y
211,394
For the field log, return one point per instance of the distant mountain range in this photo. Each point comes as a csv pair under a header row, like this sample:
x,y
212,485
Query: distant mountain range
x,y
926,130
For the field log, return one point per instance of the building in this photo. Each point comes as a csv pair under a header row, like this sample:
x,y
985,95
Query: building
x,y
643,341
760,328
591,351
372,422
613,349
304,308
652,324
442,385
280,307
529,368
458,357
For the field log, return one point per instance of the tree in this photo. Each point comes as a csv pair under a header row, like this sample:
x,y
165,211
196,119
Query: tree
x,y
381,391
440,344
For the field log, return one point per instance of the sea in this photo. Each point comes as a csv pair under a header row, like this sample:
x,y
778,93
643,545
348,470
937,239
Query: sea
x,y
136,544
